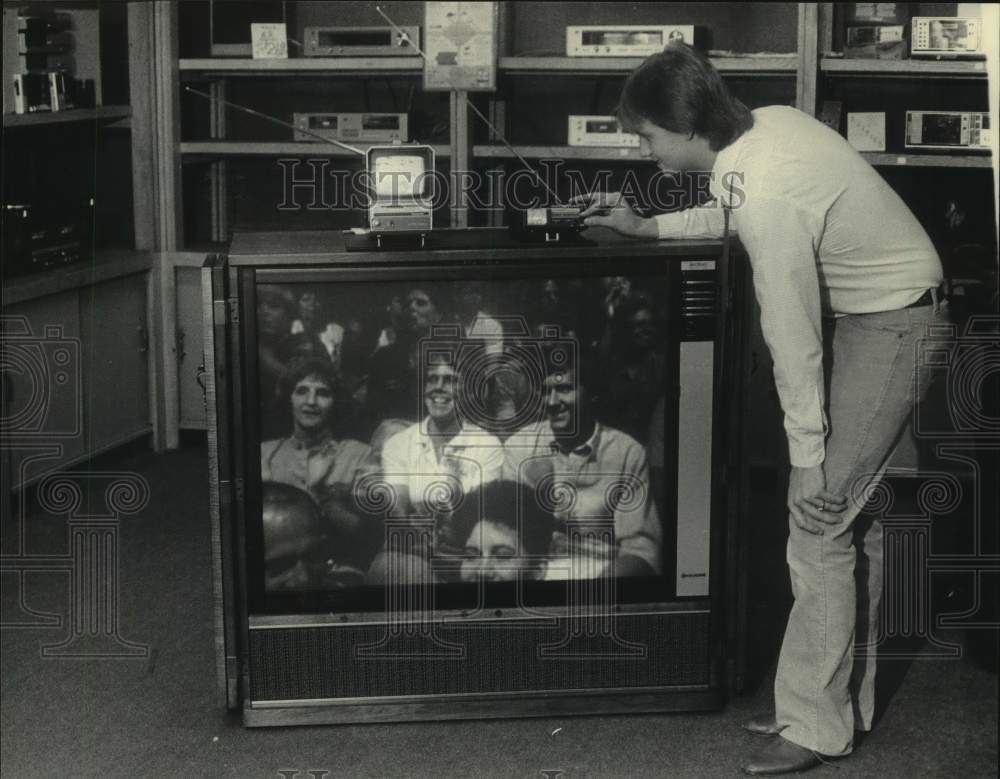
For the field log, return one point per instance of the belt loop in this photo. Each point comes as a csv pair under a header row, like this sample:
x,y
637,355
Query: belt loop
x,y
936,300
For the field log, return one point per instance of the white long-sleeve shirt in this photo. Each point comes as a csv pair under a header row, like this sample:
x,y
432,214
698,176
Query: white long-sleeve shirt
x,y
826,236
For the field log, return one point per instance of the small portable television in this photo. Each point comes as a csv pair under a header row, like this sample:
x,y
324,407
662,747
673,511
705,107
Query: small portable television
x,y
400,180
948,130
946,36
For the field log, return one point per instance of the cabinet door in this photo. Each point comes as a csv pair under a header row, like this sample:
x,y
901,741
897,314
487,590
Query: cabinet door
x,y
42,389
190,350
115,350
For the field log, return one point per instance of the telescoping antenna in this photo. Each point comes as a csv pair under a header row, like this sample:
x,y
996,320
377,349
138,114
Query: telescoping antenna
x,y
402,33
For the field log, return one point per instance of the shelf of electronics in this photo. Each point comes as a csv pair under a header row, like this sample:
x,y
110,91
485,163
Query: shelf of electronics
x,y
226,66
780,64
277,148
559,152
106,112
774,63
878,159
881,159
904,68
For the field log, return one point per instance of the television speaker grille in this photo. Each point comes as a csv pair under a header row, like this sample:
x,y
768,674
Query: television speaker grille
x,y
363,661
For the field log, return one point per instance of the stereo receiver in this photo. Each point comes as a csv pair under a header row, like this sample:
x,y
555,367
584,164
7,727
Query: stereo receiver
x,y
373,128
951,130
361,41
876,42
599,131
624,40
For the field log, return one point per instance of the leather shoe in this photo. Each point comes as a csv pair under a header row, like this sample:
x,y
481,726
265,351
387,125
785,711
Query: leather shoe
x,y
781,757
762,725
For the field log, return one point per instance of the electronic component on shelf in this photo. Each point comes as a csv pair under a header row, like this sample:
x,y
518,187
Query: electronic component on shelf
x,y
60,98
361,41
877,13
370,127
876,42
229,23
600,131
38,239
625,40
66,42
946,36
866,130
948,130
32,93
400,181
549,225
461,47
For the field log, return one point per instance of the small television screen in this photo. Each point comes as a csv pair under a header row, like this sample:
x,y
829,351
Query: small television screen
x,y
495,436
398,176
942,129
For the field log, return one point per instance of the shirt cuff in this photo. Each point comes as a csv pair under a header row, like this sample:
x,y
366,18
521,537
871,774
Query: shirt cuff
x,y
807,452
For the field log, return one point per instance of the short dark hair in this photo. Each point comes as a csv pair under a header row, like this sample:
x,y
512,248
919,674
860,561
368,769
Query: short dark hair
x,y
680,91
503,502
300,368
292,522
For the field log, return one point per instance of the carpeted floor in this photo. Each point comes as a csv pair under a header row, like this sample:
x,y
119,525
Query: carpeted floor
x,y
159,715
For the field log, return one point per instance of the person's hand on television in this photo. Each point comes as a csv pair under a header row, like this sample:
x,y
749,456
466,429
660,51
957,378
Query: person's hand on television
x,y
610,209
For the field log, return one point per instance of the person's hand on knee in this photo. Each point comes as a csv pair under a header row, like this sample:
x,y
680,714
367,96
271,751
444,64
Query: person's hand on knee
x,y
811,505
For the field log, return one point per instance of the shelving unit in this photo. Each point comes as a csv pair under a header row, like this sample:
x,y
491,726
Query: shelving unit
x,y
280,148
904,68
101,113
780,64
798,67
562,152
210,66
107,306
888,159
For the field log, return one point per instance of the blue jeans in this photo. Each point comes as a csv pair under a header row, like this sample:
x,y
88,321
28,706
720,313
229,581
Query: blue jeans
x,y
820,695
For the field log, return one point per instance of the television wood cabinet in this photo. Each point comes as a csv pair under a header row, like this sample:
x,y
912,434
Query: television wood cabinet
x,y
662,642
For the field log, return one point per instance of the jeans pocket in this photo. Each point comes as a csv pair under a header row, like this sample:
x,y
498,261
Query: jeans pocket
x,y
884,321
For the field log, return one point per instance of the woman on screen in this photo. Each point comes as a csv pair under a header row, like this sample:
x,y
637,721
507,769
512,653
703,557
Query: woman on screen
x,y
316,463
509,534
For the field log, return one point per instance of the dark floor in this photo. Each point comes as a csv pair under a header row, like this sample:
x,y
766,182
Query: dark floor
x,y
159,716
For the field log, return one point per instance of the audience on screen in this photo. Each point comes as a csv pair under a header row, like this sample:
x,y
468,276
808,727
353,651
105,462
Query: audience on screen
x,y
302,551
550,384
593,477
507,533
312,460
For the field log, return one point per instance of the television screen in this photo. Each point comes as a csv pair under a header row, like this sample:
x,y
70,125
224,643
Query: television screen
x,y
399,176
499,435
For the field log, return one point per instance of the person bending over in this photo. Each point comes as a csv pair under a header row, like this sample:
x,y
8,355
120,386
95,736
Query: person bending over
x,y
847,281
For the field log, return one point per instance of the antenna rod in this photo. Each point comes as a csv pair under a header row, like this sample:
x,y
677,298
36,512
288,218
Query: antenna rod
x,y
475,110
274,120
